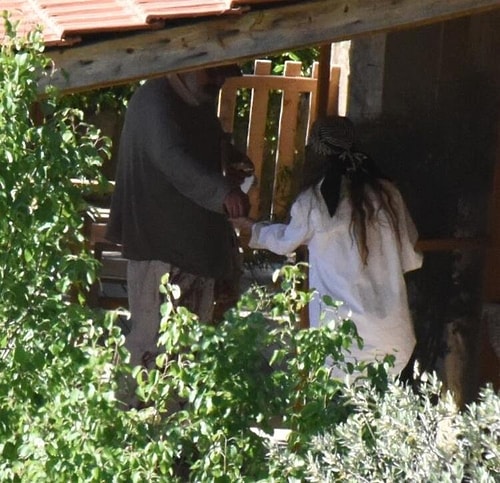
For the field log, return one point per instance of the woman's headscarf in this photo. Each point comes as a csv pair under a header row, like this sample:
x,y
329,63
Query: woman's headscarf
x,y
333,137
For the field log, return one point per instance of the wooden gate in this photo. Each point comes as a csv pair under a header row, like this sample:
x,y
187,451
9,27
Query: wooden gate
x,y
277,156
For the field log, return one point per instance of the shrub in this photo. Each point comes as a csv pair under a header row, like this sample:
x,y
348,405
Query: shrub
x,y
257,370
403,436
59,420
254,370
217,391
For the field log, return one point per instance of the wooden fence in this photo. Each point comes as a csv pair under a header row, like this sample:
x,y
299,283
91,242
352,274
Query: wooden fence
x,y
277,155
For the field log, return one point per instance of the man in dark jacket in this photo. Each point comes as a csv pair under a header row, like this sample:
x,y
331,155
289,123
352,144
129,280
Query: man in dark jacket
x,y
172,202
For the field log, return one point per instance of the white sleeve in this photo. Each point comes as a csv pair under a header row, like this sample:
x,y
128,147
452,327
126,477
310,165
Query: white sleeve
x,y
280,238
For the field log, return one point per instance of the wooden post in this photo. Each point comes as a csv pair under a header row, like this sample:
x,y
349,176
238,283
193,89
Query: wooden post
x,y
322,92
334,91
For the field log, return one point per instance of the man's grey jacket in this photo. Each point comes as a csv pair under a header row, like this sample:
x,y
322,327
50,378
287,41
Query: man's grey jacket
x,y
169,191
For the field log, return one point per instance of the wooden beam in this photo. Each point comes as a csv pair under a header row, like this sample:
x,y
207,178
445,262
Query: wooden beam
x,y
226,39
450,244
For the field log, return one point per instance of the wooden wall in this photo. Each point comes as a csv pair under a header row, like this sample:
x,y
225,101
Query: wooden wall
x,y
433,128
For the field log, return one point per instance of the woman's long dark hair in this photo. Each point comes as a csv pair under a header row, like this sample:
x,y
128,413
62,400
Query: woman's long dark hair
x,y
335,157
369,196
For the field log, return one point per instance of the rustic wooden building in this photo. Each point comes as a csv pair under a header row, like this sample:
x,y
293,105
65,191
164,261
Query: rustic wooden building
x,y
423,86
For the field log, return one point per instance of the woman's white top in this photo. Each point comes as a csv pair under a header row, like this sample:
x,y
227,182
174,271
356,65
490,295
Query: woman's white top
x,y
374,295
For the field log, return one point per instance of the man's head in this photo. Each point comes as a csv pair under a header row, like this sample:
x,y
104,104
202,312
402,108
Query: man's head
x,y
206,83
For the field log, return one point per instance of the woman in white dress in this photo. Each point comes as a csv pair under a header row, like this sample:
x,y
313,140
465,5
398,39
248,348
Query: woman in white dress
x,y
360,238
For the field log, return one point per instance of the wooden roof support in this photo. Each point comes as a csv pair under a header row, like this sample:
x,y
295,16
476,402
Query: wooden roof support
x,y
322,92
228,39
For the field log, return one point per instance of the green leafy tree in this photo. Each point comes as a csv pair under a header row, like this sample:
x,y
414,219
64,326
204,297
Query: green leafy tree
x,y
59,420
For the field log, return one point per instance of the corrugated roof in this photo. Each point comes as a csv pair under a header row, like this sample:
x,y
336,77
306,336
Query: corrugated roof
x,y
65,21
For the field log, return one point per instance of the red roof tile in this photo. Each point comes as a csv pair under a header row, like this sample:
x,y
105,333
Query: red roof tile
x,y
63,21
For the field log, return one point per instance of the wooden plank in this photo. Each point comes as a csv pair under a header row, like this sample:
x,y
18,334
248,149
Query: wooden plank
x,y
333,92
262,67
450,244
327,96
271,82
285,154
97,234
256,140
313,98
227,106
228,39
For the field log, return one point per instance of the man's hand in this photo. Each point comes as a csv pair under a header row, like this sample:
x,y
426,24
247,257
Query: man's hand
x,y
236,204
244,225
236,165
236,174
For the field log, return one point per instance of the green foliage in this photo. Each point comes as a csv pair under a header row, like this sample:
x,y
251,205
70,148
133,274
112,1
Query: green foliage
x,y
401,436
257,371
306,56
254,371
113,98
59,420
218,392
